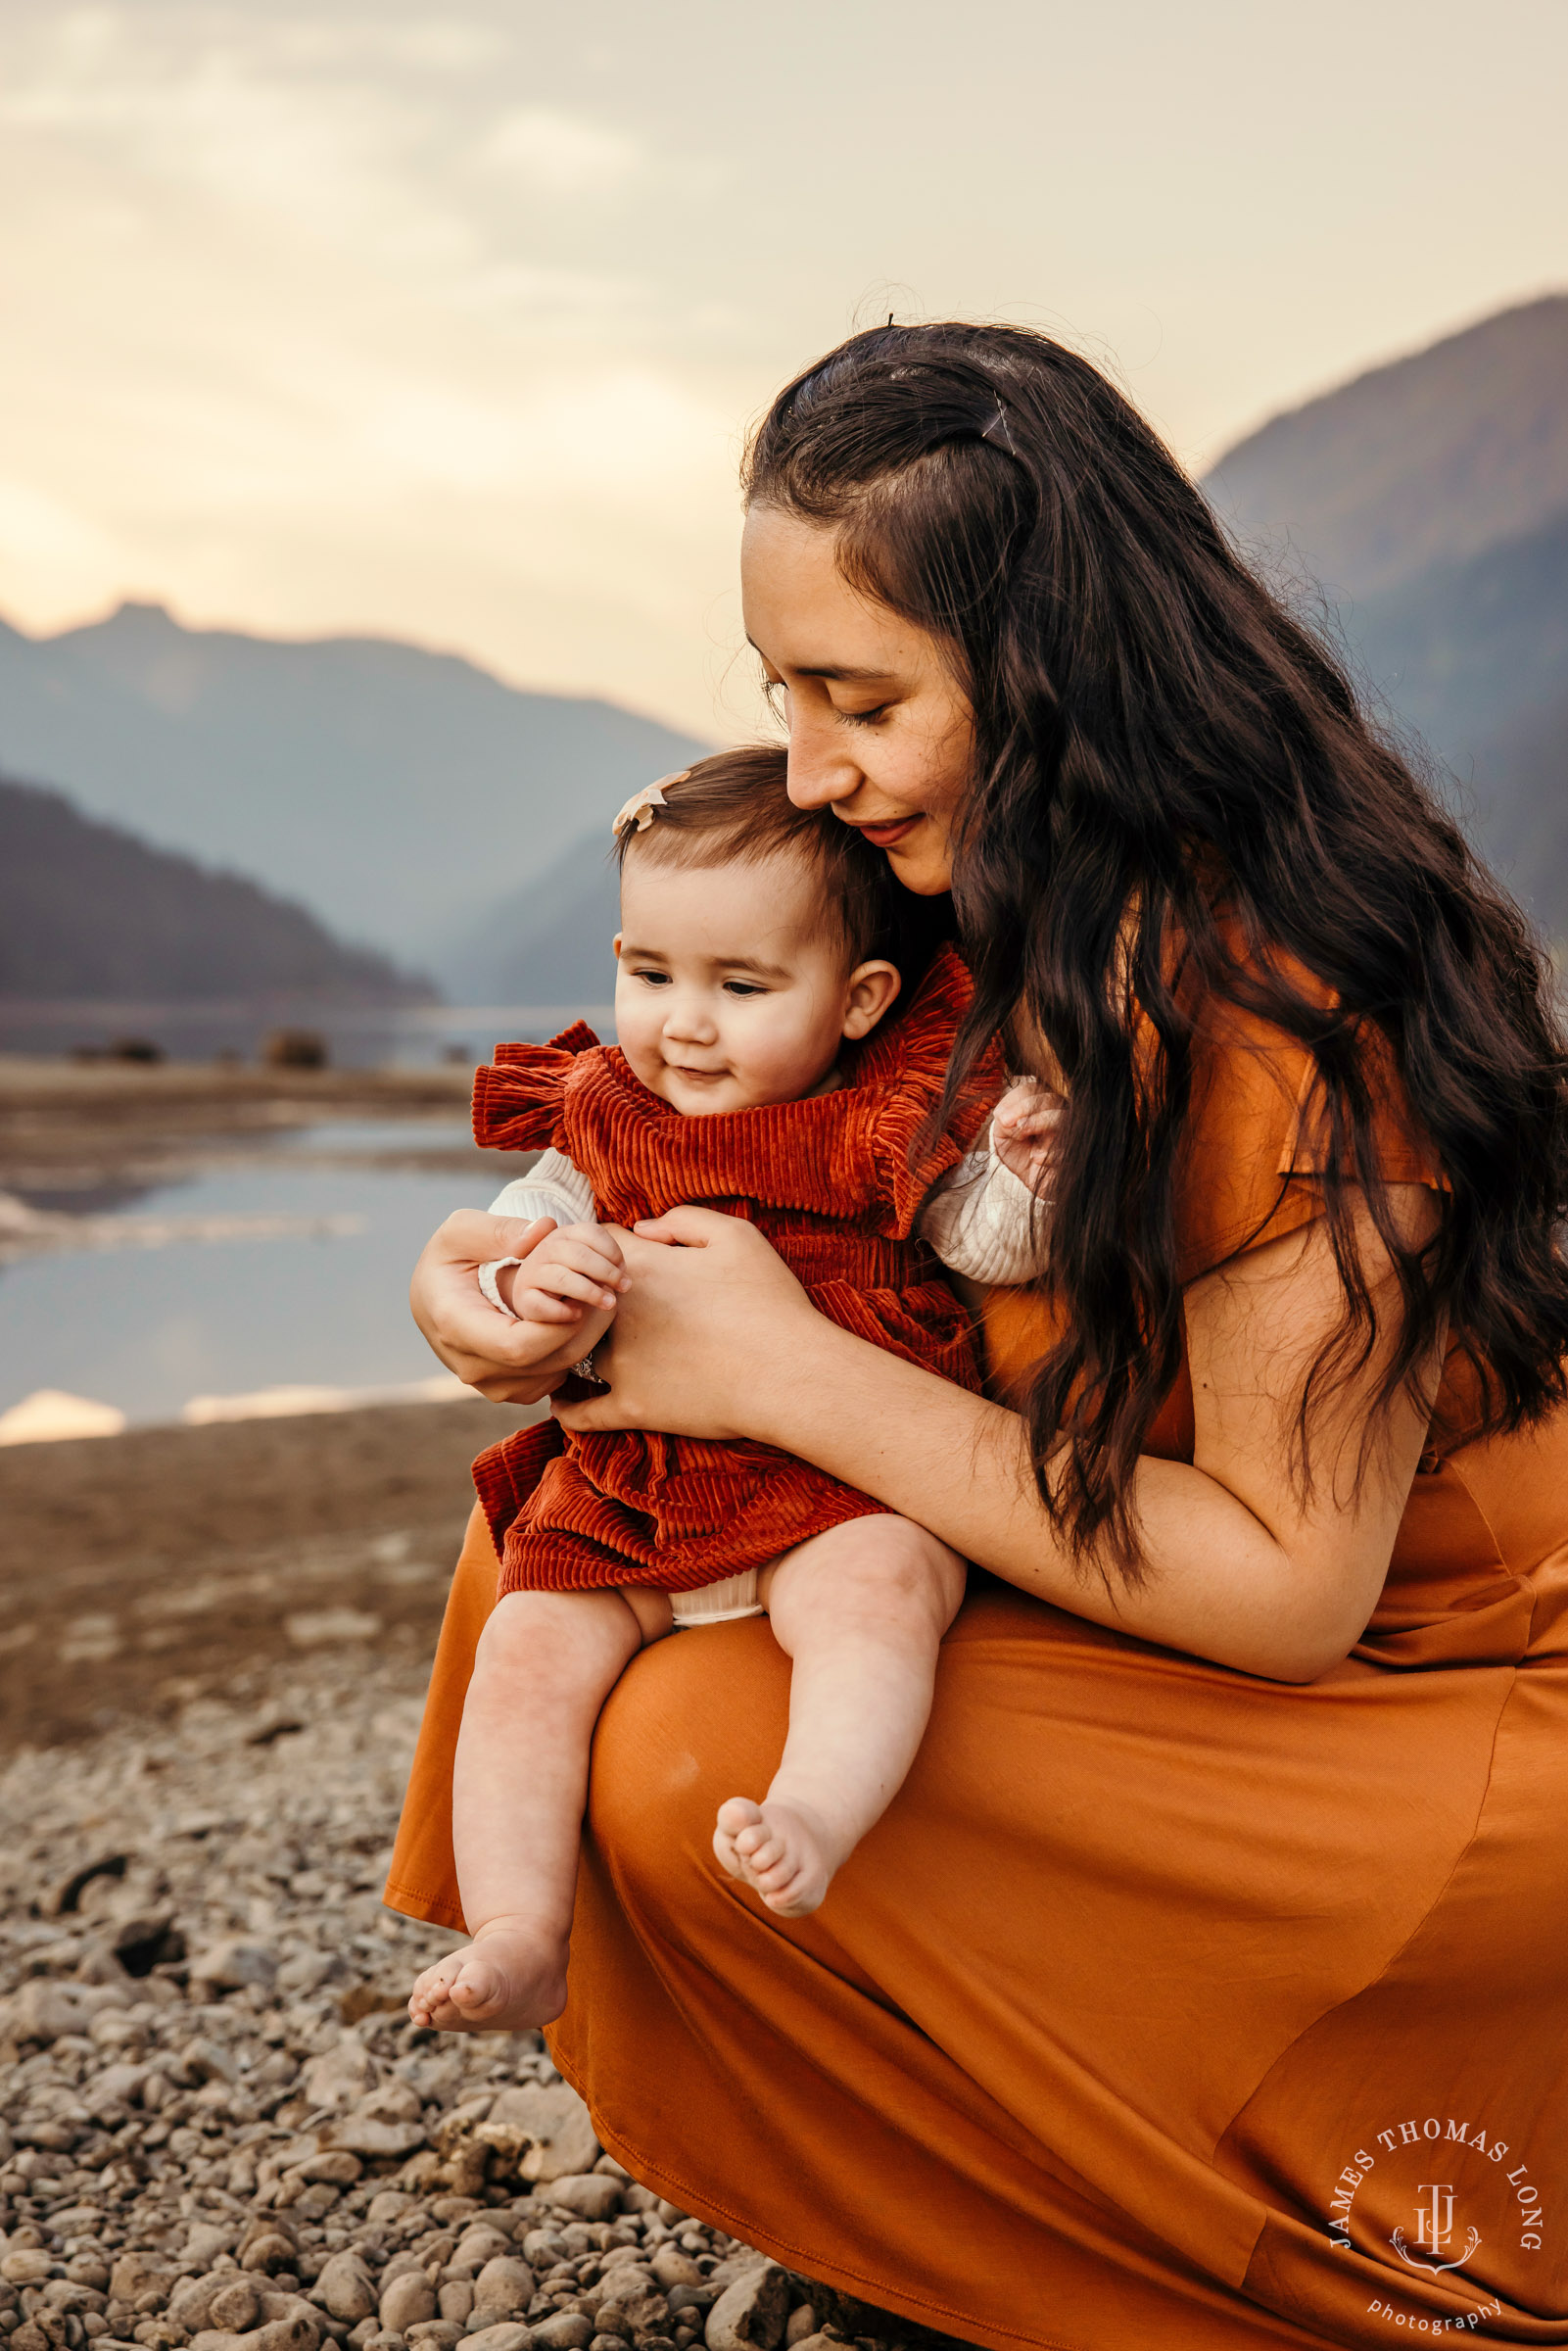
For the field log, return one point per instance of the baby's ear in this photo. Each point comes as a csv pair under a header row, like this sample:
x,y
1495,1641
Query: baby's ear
x,y
615,945
872,987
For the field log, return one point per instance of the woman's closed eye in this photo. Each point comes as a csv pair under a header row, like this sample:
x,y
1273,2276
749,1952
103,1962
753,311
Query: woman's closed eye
x,y
865,718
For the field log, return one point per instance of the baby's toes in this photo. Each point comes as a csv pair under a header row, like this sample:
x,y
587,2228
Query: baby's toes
x,y
736,1828
478,1987
430,1987
798,1897
725,1854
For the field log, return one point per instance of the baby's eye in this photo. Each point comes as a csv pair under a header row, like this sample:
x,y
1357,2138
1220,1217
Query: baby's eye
x,y
743,987
654,979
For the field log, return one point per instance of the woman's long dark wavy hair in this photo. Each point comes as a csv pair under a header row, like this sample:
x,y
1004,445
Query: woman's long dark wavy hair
x,y
1173,782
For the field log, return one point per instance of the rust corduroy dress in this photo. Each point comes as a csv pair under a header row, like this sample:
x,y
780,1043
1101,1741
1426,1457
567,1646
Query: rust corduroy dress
x,y
831,1182
1165,2009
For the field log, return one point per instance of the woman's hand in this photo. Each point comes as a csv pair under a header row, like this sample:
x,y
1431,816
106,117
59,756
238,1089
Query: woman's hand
x,y
497,1357
699,1336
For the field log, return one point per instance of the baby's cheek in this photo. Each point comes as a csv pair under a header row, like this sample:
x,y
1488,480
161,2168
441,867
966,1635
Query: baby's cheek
x,y
643,1055
786,1062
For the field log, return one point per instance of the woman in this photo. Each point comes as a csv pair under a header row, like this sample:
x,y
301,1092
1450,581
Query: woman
x,y
1204,1984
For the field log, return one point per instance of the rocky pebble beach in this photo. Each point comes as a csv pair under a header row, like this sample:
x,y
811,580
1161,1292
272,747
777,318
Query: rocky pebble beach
x,y
219,2129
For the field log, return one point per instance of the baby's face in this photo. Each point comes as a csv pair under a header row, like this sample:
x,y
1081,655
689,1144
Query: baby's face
x,y
731,991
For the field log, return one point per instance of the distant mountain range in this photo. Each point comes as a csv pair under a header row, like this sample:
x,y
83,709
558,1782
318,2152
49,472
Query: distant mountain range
x,y
1427,505
414,804
398,793
86,910
549,942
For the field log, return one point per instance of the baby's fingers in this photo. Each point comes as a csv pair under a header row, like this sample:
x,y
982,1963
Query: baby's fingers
x,y
591,1250
1029,1110
599,1241
1032,1122
537,1306
578,1255
566,1281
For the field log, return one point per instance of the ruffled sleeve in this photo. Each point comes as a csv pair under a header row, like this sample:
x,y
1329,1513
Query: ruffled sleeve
x,y
519,1097
906,1064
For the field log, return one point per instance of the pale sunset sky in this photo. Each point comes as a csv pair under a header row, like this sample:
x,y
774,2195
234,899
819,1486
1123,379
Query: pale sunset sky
x,y
448,323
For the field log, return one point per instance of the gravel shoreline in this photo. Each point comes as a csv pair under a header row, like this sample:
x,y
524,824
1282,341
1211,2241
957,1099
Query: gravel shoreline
x,y
142,1571
217,2128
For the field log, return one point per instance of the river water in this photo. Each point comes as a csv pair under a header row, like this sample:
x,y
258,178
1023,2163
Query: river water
x,y
357,1037
314,1293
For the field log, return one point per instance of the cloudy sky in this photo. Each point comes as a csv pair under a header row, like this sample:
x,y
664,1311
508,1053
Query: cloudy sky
x,y
447,324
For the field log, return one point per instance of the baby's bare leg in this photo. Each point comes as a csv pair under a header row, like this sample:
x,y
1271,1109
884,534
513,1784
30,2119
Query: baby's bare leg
x,y
545,1665
862,1611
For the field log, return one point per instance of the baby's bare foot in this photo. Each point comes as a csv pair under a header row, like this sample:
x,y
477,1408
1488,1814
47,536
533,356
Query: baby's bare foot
x,y
509,1977
782,1850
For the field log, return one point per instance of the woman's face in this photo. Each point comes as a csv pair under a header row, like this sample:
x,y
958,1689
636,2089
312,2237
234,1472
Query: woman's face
x,y
880,730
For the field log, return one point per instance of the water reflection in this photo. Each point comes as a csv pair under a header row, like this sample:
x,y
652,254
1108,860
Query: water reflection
x,y
146,1329
357,1036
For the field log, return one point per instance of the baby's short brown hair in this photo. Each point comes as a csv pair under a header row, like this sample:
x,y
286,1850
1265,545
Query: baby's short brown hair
x,y
736,807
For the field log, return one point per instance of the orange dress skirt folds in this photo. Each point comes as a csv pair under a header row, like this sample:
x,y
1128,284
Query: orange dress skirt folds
x,y
1165,2006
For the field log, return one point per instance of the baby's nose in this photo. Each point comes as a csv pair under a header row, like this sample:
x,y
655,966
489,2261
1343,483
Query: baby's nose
x,y
690,1020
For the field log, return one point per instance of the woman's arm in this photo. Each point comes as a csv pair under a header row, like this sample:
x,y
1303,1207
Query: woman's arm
x,y
715,1338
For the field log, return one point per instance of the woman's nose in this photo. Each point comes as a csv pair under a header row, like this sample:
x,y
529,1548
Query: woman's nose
x,y
822,771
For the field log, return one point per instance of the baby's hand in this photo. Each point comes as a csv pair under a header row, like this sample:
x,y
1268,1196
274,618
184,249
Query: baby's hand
x,y
576,1272
1024,1132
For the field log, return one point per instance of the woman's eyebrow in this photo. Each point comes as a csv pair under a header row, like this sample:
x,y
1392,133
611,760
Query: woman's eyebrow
x,y
826,669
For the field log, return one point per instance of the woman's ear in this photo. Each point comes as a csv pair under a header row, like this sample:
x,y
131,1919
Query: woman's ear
x,y
873,987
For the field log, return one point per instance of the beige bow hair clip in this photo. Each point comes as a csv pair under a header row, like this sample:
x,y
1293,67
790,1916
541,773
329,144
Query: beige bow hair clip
x,y
639,810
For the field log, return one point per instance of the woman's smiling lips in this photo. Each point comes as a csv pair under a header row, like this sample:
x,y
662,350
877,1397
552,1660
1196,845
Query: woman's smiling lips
x,y
883,835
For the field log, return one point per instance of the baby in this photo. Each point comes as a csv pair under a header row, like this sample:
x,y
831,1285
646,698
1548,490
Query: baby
x,y
753,1073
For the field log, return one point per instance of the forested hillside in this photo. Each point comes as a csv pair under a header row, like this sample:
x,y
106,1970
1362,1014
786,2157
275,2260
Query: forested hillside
x,y
396,792
88,911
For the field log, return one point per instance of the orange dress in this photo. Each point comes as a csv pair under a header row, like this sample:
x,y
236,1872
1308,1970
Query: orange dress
x,y
1165,2006
836,1182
